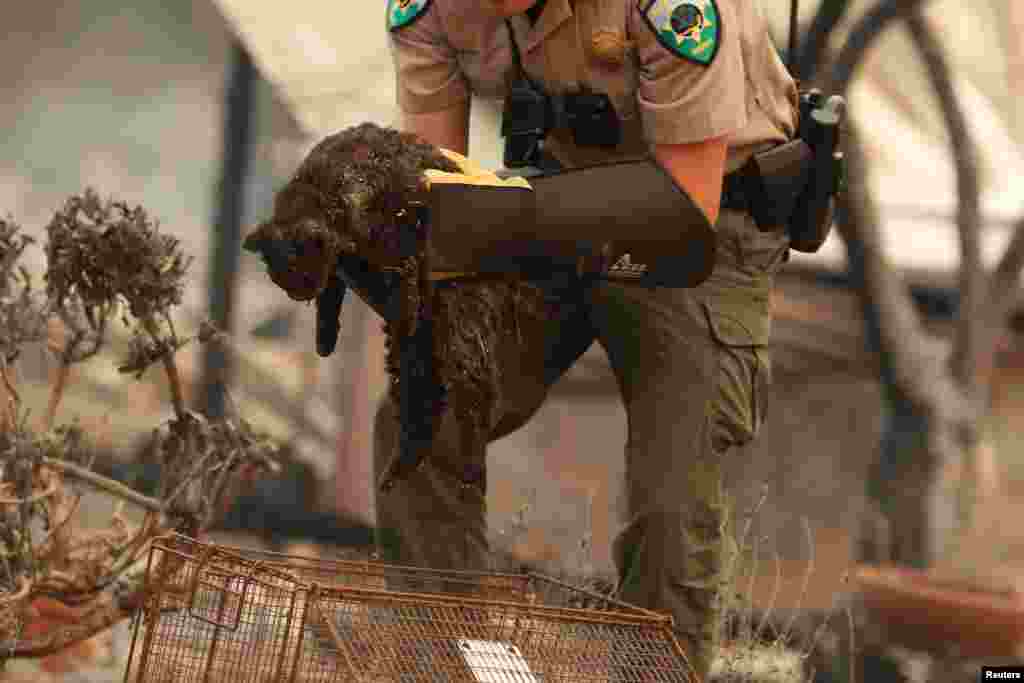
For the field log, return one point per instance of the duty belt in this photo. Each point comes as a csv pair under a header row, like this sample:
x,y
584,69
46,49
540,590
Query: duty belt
x,y
767,186
735,195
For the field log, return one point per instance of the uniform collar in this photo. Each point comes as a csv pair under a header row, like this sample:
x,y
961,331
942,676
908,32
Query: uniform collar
x,y
556,13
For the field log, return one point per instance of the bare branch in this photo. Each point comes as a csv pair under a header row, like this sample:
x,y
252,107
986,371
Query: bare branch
x,y
867,30
906,362
110,486
60,383
911,358
8,384
34,498
20,594
901,338
815,41
57,528
167,349
1005,279
971,341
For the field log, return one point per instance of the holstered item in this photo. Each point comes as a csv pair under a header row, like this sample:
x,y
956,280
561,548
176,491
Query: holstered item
x,y
774,180
812,223
820,126
621,221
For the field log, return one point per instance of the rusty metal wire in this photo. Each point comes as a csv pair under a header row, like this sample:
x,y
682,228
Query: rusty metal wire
x,y
228,614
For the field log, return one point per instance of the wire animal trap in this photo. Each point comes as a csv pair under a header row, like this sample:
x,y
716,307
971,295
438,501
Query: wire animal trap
x,y
215,613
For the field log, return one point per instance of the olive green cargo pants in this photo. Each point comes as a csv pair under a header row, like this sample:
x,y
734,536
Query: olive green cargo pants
x,y
691,366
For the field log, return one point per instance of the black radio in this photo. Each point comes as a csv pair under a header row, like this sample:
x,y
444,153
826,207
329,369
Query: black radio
x,y
592,119
525,121
530,114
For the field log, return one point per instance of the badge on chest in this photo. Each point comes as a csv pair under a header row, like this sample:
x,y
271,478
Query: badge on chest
x,y
689,29
401,13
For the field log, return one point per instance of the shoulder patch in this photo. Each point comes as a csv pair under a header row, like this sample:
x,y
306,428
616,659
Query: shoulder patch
x,y
401,13
689,29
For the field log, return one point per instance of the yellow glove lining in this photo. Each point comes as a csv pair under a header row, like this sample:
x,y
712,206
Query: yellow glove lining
x,y
472,174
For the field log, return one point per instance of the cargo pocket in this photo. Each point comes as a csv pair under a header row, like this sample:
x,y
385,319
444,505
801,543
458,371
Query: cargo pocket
x,y
741,340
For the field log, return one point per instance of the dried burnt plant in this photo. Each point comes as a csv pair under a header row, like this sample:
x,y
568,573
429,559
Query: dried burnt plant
x,y
105,258
349,218
106,261
21,318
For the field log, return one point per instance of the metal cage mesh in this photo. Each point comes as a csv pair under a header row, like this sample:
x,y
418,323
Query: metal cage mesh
x,y
215,613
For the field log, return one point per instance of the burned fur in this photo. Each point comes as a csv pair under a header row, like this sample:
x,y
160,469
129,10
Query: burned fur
x,y
351,200
349,196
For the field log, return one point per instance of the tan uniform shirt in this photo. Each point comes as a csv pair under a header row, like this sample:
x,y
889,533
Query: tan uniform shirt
x,y
458,47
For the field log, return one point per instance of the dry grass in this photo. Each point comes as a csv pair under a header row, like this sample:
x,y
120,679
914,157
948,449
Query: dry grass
x,y
754,649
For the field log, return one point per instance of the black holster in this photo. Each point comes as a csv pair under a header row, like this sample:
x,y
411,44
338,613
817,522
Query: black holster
x,y
795,184
772,182
811,221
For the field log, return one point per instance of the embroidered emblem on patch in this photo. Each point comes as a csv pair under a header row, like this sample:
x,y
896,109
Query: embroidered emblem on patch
x,y
401,13
690,29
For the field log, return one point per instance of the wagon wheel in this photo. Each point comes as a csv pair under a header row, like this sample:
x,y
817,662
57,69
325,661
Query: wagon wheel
x,y
835,76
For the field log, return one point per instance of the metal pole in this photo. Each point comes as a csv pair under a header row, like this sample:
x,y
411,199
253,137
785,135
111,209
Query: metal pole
x,y
794,38
226,238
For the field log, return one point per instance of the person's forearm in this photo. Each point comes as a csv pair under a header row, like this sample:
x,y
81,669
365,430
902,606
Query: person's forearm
x,y
448,128
699,169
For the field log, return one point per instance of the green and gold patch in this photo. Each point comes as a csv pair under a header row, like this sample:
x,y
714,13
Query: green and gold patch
x,y
689,29
401,13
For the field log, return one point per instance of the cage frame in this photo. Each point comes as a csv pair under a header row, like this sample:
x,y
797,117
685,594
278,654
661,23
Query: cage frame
x,y
283,572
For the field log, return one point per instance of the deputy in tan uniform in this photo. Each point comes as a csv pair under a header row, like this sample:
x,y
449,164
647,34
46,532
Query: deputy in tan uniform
x,y
698,86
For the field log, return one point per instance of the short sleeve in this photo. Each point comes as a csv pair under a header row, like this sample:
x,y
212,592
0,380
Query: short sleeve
x,y
427,73
692,82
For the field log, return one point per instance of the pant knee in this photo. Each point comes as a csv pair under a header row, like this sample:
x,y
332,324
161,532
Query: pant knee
x,y
688,543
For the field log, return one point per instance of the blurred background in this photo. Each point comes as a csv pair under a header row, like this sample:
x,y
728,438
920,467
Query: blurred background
x,y
133,100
